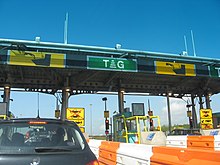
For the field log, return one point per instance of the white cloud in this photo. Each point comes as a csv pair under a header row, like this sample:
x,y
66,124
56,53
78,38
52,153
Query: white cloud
x,y
101,129
98,126
178,112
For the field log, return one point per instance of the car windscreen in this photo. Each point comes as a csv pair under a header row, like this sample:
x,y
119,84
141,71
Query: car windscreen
x,y
29,137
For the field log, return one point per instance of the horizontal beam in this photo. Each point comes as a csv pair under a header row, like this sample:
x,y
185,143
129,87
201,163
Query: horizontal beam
x,y
119,52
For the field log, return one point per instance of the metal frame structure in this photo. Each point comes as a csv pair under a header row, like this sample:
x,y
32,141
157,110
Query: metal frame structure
x,y
76,77
119,53
137,119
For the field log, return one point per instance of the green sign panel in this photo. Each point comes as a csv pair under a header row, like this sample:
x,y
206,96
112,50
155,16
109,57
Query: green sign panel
x,y
214,72
114,64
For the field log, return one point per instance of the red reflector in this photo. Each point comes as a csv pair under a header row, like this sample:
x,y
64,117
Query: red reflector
x,y
94,162
37,122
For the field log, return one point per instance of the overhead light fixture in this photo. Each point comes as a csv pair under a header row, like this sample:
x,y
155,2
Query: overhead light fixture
x,y
37,39
6,86
118,46
68,89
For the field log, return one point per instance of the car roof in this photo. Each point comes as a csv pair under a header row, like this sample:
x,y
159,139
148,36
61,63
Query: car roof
x,y
50,120
186,129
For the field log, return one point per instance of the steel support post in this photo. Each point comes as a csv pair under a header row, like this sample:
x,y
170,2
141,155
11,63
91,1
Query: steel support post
x,y
168,109
90,119
200,102
194,116
65,98
121,100
6,98
207,100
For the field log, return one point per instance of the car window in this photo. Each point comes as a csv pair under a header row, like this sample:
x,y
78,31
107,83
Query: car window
x,y
25,137
185,132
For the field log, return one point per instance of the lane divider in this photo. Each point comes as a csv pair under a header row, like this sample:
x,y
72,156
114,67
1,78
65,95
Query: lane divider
x,y
200,150
182,156
135,154
201,142
194,142
177,141
217,142
108,152
112,153
94,146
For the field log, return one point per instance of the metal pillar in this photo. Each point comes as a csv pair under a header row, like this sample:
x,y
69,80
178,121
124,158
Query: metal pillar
x,y
111,124
121,100
65,98
194,116
6,98
90,119
207,100
169,115
200,102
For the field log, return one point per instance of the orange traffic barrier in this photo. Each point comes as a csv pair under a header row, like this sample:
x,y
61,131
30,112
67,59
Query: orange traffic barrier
x,y
200,142
180,156
108,153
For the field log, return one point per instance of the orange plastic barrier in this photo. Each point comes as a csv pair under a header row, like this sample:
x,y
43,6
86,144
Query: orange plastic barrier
x,y
180,156
108,153
201,142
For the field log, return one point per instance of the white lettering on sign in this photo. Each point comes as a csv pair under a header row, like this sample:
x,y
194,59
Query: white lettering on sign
x,y
114,64
218,69
121,65
106,63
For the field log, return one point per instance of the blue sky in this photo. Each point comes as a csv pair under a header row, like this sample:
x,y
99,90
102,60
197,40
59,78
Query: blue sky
x,y
155,25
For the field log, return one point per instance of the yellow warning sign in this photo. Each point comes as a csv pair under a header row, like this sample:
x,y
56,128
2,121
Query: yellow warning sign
x,y
75,113
206,121
205,113
174,68
30,58
206,126
79,122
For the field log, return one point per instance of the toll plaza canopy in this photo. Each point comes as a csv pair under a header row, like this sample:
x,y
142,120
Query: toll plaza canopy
x,y
48,67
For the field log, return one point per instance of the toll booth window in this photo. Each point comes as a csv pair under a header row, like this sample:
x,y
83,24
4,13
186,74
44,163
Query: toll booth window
x,y
131,126
120,124
218,123
138,109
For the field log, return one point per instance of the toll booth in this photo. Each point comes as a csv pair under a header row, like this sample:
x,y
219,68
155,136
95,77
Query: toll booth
x,y
216,120
3,115
128,128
